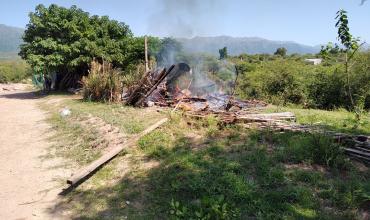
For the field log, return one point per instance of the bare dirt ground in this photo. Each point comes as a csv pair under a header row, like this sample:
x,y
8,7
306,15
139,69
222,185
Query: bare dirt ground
x,y
29,180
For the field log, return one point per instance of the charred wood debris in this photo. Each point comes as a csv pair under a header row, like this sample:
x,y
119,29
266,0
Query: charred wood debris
x,y
159,88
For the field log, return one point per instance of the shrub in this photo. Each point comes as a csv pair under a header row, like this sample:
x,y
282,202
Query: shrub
x,y
284,78
14,71
103,83
132,74
326,91
292,81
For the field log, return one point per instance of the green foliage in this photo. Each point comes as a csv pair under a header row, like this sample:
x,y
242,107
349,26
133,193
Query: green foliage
x,y
66,40
223,53
232,175
275,78
188,169
291,80
132,74
352,46
339,120
14,71
325,89
329,50
281,51
102,84
314,148
344,35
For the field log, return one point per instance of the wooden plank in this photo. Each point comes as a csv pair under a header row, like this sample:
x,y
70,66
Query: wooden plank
x,y
360,148
84,172
364,154
272,115
266,117
359,158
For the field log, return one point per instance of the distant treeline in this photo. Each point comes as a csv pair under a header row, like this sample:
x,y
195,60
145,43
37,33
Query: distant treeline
x,y
283,80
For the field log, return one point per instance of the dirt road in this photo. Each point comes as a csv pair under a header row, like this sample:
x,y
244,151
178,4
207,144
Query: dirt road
x,y
29,182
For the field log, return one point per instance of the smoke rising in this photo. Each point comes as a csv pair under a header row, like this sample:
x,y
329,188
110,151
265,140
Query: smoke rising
x,y
187,19
184,18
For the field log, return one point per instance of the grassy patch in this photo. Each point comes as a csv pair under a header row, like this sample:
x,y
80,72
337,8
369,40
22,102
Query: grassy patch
x,y
233,174
338,120
14,71
193,169
130,120
72,141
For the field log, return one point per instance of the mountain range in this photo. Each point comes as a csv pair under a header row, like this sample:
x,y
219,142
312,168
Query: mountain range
x,y
239,45
11,38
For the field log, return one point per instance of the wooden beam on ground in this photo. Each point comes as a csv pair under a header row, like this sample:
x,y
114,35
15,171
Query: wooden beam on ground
x,y
282,116
81,174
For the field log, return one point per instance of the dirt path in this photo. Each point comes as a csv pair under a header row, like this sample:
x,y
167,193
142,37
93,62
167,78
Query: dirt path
x,y
29,183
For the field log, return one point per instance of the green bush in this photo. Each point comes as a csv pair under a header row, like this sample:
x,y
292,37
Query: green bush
x,y
14,71
293,81
282,77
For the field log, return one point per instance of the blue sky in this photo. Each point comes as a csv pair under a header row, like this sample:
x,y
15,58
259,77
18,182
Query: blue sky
x,y
305,21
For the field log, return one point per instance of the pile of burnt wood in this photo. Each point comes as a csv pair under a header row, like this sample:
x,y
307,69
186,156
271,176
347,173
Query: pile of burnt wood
x,y
161,87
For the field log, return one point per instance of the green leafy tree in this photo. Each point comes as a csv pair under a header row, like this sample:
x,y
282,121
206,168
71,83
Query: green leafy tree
x,y
66,40
330,50
351,46
281,51
223,53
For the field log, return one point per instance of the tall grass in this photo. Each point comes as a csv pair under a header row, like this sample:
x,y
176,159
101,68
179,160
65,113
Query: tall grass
x,y
103,83
14,71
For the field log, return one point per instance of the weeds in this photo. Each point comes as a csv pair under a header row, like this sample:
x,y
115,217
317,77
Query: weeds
x,y
14,71
204,171
103,83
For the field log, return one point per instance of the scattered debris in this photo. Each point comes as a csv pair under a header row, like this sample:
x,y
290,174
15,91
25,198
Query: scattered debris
x,y
65,112
74,90
357,146
163,88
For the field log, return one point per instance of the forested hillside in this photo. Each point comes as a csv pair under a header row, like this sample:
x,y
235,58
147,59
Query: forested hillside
x,y
10,38
239,45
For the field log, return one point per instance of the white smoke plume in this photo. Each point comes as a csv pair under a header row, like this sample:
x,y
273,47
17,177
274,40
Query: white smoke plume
x,y
185,18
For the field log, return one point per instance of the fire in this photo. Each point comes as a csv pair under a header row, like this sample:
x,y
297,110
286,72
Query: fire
x,y
175,88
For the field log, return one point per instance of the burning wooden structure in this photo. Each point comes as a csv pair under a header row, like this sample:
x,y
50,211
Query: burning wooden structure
x,y
169,88
174,88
